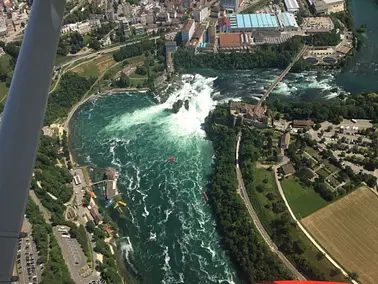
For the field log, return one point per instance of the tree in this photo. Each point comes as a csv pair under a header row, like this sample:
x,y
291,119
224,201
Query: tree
x,y
299,247
141,70
260,188
320,255
124,81
90,226
353,275
94,44
334,272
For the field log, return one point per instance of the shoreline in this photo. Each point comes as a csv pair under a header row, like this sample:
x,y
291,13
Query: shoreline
x,y
66,125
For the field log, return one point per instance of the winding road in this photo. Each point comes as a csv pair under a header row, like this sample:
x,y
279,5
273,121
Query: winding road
x,y
243,194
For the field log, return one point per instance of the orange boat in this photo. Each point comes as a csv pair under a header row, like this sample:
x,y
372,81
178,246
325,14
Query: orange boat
x,y
171,159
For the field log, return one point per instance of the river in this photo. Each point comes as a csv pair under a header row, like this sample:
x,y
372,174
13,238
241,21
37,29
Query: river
x,y
168,232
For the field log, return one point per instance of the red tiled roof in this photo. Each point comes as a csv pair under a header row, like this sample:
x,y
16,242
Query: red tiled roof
x,y
229,40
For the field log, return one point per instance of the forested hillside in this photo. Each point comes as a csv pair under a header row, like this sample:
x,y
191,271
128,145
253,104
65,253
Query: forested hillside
x,y
253,259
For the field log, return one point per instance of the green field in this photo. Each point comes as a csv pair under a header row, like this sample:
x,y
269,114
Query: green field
x,y
322,172
303,200
137,79
259,200
4,61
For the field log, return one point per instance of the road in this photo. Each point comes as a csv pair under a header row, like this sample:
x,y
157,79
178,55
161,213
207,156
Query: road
x,y
105,50
256,220
303,229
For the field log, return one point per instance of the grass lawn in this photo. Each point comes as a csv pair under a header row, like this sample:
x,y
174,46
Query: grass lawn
x,y
303,200
135,59
95,67
322,172
313,153
137,76
3,91
259,200
86,38
61,59
4,61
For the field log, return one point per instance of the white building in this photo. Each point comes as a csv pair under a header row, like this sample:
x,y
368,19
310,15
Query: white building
x,y
81,27
187,30
201,14
292,6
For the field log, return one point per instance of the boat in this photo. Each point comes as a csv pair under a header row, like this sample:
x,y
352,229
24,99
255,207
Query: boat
x,y
206,198
89,116
171,159
122,203
110,203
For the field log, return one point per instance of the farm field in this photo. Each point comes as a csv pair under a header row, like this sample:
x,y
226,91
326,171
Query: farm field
x,y
303,200
348,230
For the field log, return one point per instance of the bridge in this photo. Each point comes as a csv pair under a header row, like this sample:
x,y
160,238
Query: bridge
x,y
282,75
97,182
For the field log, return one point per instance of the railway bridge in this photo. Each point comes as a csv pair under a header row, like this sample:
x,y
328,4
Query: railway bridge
x,y
282,75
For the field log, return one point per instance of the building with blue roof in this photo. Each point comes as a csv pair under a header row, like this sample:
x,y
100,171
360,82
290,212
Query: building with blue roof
x,y
254,22
287,21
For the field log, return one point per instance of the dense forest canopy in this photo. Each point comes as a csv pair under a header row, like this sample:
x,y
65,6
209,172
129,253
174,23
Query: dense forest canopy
x,y
362,106
72,88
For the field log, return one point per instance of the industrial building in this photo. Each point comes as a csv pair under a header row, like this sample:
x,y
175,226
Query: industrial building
x,y
326,7
187,30
253,22
263,22
287,21
292,6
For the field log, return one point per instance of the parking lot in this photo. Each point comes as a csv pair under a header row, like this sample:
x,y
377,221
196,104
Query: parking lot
x,y
74,257
28,270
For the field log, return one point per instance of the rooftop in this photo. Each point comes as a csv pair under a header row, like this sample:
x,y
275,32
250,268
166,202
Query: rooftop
x,y
328,2
199,31
287,20
302,123
254,21
227,40
288,169
291,4
188,24
247,110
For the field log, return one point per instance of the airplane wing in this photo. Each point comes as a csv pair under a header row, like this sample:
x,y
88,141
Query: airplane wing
x,y
22,120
